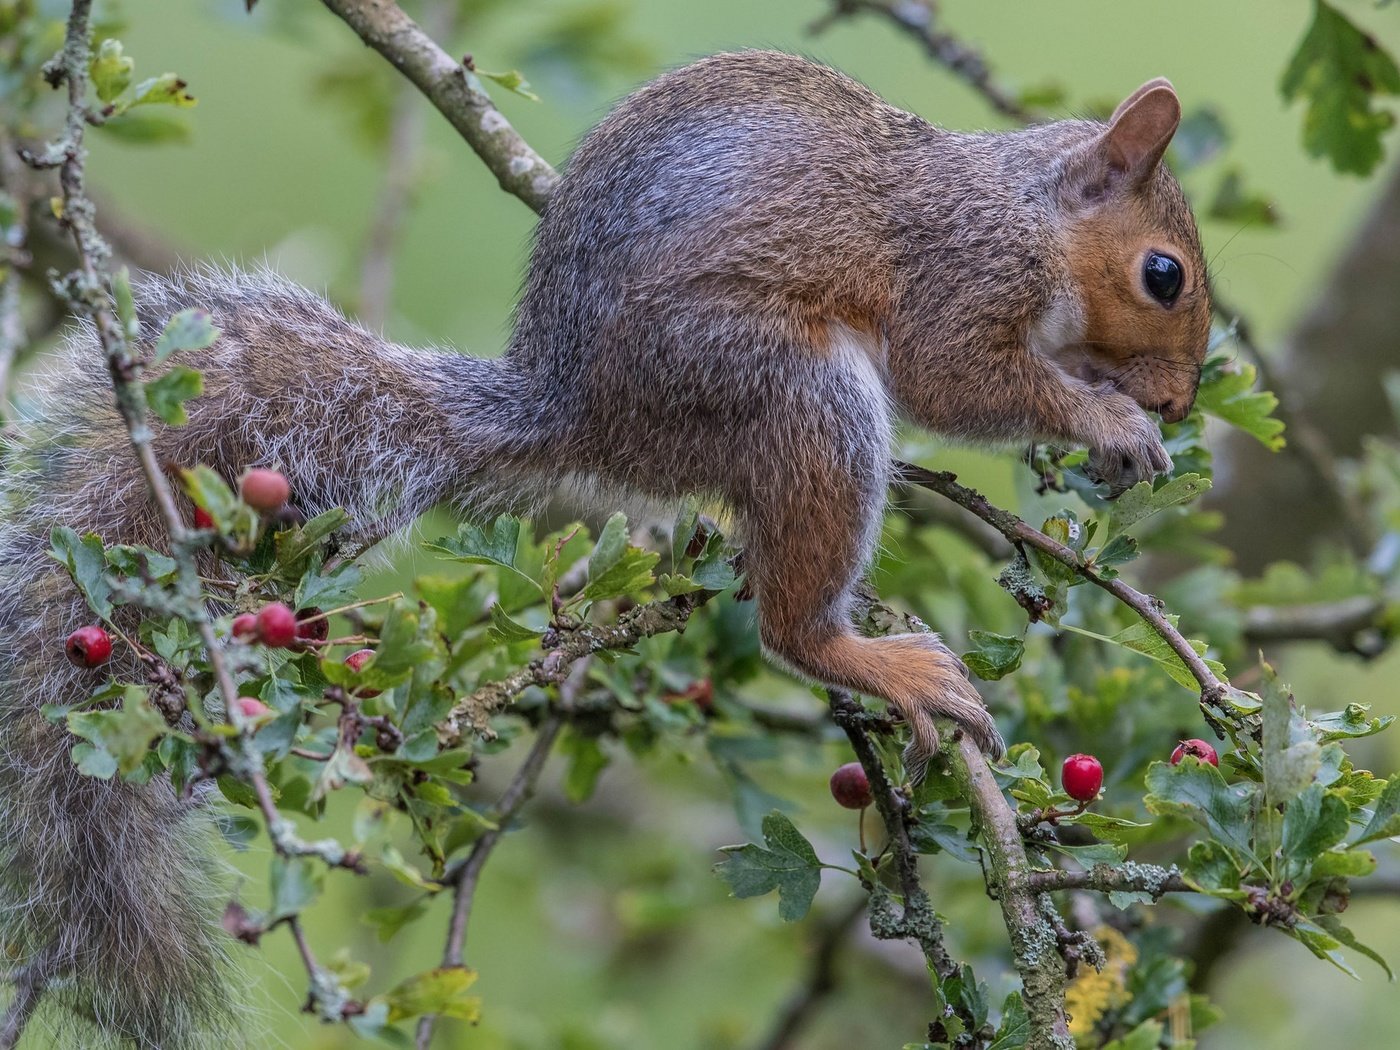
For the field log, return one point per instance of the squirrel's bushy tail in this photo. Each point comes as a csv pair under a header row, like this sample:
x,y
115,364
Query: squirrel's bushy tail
x,y
108,922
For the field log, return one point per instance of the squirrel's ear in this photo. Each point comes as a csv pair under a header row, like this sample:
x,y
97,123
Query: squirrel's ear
x,y
1141,128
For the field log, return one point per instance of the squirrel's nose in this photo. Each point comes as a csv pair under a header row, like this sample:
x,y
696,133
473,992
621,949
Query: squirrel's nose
x,y
1174,411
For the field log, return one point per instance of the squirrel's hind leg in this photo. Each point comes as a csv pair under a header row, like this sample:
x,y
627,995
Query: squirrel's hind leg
x,y
809,528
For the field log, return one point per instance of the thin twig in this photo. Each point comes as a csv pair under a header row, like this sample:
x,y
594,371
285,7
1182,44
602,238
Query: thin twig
x,y
466,875
89,293
915,19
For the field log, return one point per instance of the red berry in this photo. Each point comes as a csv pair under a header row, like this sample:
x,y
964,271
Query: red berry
x,y
264,490
252,708
850,787
316,630
1198,748
356,662
245,626
277,625
1082,776
202,519
88,647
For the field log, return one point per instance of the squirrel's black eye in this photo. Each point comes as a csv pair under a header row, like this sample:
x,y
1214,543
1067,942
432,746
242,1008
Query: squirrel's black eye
x,y
1162,275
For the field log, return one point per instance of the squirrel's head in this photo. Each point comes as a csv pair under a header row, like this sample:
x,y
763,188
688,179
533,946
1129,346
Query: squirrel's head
x,y
1139,307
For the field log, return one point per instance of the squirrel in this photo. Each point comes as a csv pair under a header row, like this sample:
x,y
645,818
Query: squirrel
x,y
749,270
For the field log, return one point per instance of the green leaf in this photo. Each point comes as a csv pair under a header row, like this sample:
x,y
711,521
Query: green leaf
x,y
1385,816
1146,1036
406,872
166,89
389,921
1338,70
165,395
1118,551
441,991
1198,791
209,492
1313,822
497,546
1292,755
1349,723
296,883
126,303
511,80
1142,500
616,568
505,630
94,761
787,864
125,732
1015,1027
1333,926
1227,392
86,562
110,70
146,127
996,655
186,330
1234,203
587,760
1213,869
1199,138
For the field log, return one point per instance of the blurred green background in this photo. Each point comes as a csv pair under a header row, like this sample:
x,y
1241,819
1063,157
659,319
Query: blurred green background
x,y
603,925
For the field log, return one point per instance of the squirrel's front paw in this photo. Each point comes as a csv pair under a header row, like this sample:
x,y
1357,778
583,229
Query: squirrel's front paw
x,y
1135,454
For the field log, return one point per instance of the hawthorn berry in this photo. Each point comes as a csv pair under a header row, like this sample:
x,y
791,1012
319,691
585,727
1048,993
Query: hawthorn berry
x,y
88,647
1198,748
1082,776
356,662
277,626
245,626
252,708
312,625
263,489
203,519
850,787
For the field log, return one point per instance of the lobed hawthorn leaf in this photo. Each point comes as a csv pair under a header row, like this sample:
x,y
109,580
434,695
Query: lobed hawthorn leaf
x,y
166,394
1142,500
1142,638
1385,815
511,80
1227,392
147,128
1234,203
186,330
389,921
296,883
211,493
1197,790
1214,870
110,70
786,863
996,655
615,567
1339,70
1292,756
1333,927
300,546
587,760
440,991
125,732
86,562
1349,723
498,546
1313,822
1015,1030
166,89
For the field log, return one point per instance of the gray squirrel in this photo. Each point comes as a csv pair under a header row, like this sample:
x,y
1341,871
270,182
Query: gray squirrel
x,y
751,267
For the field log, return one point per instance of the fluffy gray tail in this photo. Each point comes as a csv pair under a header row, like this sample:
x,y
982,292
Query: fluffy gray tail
x,y
107,913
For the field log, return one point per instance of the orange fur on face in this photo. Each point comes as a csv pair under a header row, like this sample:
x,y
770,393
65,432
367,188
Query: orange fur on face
x,y
1150,351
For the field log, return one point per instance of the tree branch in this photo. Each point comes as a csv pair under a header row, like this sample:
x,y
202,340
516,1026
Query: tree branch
x,y
466,876
1131,876
915,19
456,93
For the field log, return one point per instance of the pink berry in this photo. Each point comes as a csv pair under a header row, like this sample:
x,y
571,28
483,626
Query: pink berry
x,y
277,626
252,708
1197,748
202,519
88,647
850,787
264,490
356,662
1082,776
245,626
